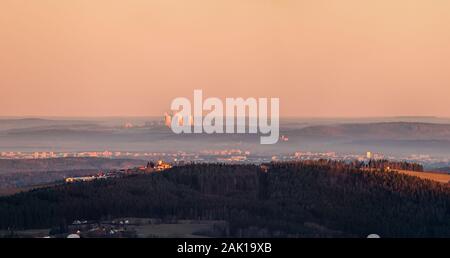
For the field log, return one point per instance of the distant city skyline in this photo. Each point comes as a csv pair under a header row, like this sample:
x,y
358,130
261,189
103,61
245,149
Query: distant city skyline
x,y
323,59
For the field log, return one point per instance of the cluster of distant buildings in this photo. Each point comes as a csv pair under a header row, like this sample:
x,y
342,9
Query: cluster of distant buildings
x,y
149,168
92,154
180,120
52,154
232,155
119,228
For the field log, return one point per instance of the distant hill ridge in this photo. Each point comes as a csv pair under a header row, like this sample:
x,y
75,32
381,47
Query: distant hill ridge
x,y
385,130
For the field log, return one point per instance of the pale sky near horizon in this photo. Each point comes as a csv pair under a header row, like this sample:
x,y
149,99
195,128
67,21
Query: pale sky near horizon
x,y
321,58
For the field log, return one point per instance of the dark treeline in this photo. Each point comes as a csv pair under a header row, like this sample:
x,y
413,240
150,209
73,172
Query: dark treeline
x,y
385,164
296,199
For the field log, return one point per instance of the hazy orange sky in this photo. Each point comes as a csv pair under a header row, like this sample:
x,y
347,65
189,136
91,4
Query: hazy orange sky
x,y
321,58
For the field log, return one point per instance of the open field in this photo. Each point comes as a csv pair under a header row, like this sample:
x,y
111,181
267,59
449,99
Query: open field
x,y
435,176
10,191
183,229
15,190
30,233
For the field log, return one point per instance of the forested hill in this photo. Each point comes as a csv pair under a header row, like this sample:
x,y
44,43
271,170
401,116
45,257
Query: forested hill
x,y
298,199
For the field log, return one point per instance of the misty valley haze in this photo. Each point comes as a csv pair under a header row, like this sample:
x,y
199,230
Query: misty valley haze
x,y
390,136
